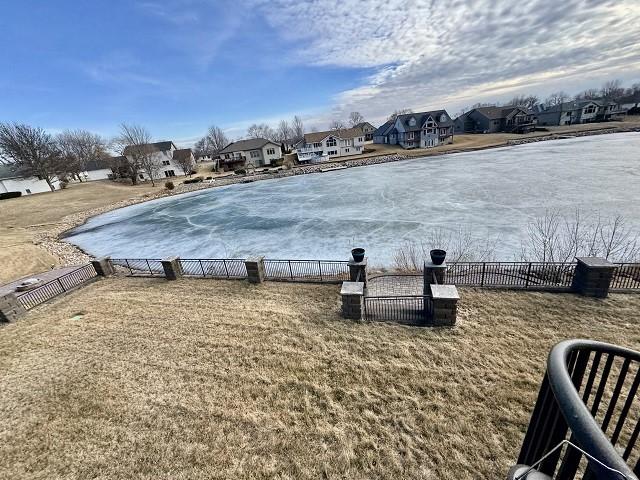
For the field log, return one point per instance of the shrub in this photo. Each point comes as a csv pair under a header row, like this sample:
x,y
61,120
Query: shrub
x,y
6,195
193,180
240,171
64,184
169,185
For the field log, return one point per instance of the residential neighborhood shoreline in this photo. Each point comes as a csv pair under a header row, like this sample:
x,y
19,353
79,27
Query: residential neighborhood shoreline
x,y
53,242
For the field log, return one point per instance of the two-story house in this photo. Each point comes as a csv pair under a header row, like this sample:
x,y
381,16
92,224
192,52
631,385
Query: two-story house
x,y
164,155
256,152
495,119
567,113
417,130
321,146
367,129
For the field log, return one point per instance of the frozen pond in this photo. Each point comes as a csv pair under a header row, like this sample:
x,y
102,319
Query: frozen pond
x,y
493,192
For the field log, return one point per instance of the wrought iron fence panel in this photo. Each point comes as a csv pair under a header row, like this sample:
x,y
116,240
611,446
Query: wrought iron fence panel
x,y
510,274
626,276
214,267
409,309
56,287
307,270
141,266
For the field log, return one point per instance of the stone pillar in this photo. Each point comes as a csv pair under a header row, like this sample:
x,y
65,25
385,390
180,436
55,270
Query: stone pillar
x,y
444,300
255,269
358,268
172,268
10,308
431,270
103,266
593,276
352,294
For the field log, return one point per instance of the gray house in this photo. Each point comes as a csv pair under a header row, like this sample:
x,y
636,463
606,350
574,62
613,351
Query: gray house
x,y
578,111
494,120
417,130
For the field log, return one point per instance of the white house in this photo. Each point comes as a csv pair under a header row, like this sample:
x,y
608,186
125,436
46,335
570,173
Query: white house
x,y
256,152
165,155
97,170
12,181
322,146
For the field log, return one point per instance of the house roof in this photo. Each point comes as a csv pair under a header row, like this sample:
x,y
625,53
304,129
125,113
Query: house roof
x,y
384,128
182,153
343,134
363,125
421,117
101,164
9,171
156,147
244,145
569,106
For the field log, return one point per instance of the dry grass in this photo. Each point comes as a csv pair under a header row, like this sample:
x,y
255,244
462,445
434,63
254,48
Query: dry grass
x,y
221,379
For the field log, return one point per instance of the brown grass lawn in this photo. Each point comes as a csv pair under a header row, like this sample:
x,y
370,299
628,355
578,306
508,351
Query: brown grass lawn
x,y
144,378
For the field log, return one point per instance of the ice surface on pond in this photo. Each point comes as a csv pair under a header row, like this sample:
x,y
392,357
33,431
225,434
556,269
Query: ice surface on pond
x,y
494,192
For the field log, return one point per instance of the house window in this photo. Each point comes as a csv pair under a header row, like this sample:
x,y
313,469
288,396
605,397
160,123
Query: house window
x,y
28,190
410,136
317,145
443,118
169,173
331,142
141,176
255,154
271,151
346,150
166,162
332,152
412,122
359,139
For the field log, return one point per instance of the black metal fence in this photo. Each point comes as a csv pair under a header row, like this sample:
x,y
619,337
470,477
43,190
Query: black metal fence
x,y
586,421
511,274
326,271
141,266
626,277
407,309
214,267
53,288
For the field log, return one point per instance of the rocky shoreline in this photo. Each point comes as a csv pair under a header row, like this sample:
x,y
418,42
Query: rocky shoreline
x,y
68,254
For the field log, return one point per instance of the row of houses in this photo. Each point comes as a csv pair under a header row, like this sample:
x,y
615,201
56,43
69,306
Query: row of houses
x,y
411,130
167,157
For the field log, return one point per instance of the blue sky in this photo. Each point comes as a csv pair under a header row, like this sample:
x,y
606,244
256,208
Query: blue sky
x,y
178,66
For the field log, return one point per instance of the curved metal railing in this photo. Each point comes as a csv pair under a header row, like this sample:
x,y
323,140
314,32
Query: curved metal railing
x,y
588,397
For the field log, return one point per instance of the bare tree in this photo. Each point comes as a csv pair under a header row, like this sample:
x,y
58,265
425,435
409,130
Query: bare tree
x,y
284,133
554,237
588,94
355,118
30,150
337,125
214,141
261,130
461,246
524,101
397,113
297,128
556,98
185,160
612,90
78,148
133,143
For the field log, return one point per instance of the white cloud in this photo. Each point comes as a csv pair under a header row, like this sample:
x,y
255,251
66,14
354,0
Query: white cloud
x,y
434,53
